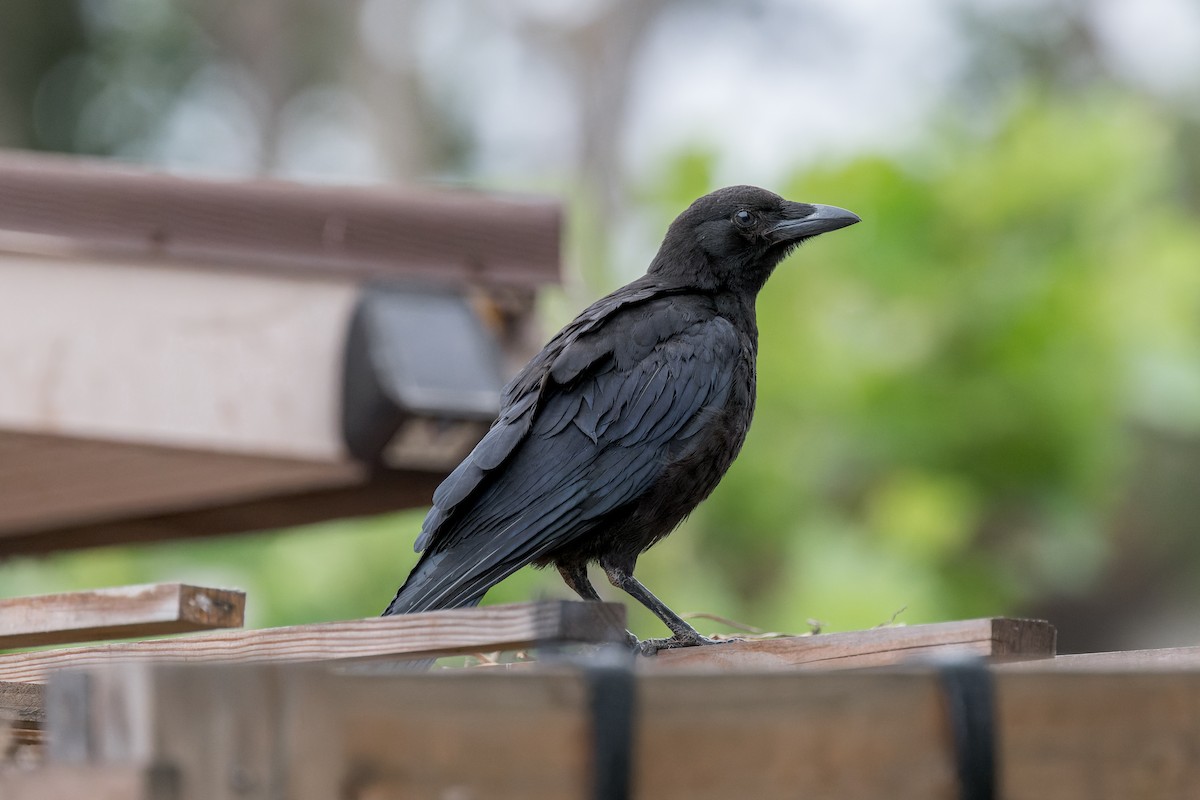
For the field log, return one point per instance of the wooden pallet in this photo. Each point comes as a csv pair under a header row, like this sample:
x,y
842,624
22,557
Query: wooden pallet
x,y
231,731
865,714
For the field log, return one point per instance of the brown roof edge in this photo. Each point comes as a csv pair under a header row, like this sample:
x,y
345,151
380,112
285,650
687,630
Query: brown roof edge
x,y
102,208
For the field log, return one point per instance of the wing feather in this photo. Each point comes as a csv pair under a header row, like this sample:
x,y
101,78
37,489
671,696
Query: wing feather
x,y
579,453
586,427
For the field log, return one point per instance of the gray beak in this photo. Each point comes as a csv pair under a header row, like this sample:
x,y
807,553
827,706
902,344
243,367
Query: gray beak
x,y
810,220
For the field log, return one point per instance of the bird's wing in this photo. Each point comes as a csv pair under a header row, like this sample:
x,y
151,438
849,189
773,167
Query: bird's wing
x,y
575,346
608,420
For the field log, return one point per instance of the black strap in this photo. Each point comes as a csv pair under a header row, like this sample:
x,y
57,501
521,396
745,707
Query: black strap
x,y
967,687
611,691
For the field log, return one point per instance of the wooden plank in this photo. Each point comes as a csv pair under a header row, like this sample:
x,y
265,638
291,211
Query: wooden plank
x,y
155,716
1098,736
697,737
855,735
21,720
70,782
22,702
57,482
170,369
383,491
995,638
117,613
452,749
436,735
437,633
850,736
1168,658
292,733
70,206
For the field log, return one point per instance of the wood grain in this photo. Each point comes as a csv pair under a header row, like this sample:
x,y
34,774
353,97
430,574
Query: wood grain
x,y
277,507
436,633
846,735
21,702
1164,659
71,206
994,638
74,782
116,613
53,482
298,732
305,734
1098,736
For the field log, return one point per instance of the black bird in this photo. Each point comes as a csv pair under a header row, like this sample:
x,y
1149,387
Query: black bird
x,y
627,419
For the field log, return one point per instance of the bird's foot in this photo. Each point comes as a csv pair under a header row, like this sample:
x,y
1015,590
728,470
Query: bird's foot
x,y
649,647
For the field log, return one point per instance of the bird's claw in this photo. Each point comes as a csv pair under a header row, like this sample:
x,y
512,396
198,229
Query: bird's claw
x,y
648,647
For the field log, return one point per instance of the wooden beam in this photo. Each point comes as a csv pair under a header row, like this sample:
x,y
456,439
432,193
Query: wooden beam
x,y
305,733
1168,658
56,482
381,492
71,782
843,735
73,207
22,702
117,613
1099,736
437,633
995,638
197,359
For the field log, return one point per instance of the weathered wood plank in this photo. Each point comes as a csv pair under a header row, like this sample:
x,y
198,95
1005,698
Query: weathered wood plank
x,y
21,702
305,733
1098,736
303,502
851,736
116,613
436,633
72,782
62,482
435,735
21,718
994,638
86,208
1168,658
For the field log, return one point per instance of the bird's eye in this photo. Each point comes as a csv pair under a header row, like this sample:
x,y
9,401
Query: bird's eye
x,y
744,219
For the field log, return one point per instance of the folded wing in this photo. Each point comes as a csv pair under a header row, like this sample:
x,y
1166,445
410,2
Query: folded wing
x,y
612,411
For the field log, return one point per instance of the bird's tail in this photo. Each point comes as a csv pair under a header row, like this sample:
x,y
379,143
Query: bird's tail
x,y
426,589
430,587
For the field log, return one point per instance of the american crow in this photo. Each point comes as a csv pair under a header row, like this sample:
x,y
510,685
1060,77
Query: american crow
x,y
627,419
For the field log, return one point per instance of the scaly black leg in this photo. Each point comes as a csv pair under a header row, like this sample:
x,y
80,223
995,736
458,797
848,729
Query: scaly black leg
x,y
575,576
684,634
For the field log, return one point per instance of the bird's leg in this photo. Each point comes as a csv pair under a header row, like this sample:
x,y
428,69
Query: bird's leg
x,y
576,578
684,634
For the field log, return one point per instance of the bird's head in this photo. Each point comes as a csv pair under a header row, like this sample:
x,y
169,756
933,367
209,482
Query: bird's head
x,y
734,237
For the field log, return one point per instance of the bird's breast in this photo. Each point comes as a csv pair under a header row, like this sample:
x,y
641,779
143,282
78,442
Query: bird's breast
x,y
693,473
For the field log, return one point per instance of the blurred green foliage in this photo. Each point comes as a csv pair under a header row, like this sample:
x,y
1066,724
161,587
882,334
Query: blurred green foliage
x,y
945,396
946,390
